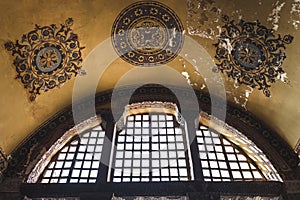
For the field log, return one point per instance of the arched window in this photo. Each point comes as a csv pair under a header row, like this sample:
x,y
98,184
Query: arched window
x,y
74,158
78,161
229,155
150,144
223,161
151,150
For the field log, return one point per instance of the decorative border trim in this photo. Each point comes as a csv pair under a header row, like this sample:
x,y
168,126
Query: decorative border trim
x,y
149,198
248,198
146,107
53,198
154,106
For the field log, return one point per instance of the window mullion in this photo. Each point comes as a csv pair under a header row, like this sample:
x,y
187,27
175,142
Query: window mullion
x,y
124,149
106,150
73,160
132,148
226,158
150,149
197,167
167,145
159,156
188,164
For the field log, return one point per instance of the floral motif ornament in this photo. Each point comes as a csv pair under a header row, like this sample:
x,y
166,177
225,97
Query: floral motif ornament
x,y
251,54
46,57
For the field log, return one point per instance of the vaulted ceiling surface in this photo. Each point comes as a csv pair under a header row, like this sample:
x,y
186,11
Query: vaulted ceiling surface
x,y
93,21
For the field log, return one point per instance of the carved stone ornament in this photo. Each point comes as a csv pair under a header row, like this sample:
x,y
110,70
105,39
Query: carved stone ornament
x,y
46,57
150,198
251,54
150,107
64,198
248,198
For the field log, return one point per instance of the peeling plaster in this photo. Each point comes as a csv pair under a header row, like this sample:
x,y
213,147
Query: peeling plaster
x,y
226,44
274,17
195,74
187,77
202,18
30,162
241,98
283,77
237,14
295,14
186,74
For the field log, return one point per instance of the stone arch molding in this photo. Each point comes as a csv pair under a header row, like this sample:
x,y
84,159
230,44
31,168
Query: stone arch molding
x,y
25,157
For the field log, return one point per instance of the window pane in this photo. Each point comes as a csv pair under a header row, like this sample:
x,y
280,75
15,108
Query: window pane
x,y
78,161
221,160
157,155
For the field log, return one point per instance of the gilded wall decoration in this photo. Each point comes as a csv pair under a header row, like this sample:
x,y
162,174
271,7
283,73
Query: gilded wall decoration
x,y
147,33
46,57
251,54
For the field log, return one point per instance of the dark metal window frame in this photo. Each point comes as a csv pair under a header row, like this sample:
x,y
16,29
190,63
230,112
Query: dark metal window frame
x,y
282,156
217,140
151,143
76,152
104,190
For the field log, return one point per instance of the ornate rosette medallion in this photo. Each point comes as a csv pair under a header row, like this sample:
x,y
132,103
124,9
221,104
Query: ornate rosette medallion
x,y
147,33
46,57
251,54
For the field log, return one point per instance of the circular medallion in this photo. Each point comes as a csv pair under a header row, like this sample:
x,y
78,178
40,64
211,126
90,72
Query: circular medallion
x,y
147,33
248,54
48,59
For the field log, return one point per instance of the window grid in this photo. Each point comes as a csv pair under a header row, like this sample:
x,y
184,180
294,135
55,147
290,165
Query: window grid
x,y
223,161
155,146
78,161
